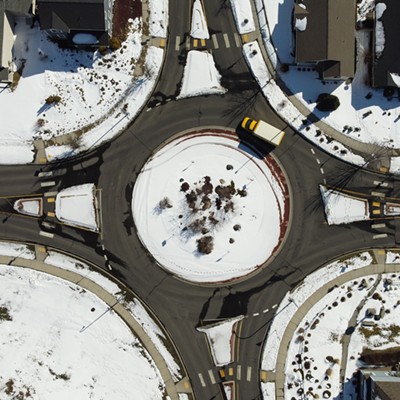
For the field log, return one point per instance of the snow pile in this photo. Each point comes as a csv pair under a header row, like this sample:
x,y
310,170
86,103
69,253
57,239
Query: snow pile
x,y
341,208
208,209
59,339
30,206
220,338
392,257
199,28
158,21
84,38
9,249
379,30
200,76
243,16
364,7
76,206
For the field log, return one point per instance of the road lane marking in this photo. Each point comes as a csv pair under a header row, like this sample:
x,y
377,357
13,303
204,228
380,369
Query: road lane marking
x,y
248,375
201,380
47,184
384,184
245,38
45,174
275,305
187,45
324,180
264,376
266,310
203,42
226,40
195,42
51,214
212,378
230,371
177,43
380,236
222,373
46,234
51,199
256,314
322,170
215,41
378,226
377,194
238,372
312,151
237,39
318,162
50,194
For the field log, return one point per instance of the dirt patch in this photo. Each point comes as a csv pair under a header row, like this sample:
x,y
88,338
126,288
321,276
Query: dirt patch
x,y
123,10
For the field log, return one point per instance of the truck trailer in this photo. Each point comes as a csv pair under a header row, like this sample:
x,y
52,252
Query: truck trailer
x,y
263,130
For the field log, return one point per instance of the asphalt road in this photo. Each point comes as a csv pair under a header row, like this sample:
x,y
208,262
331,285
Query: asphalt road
x,y
180,306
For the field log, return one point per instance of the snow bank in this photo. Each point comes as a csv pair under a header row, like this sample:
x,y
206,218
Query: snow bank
x,y
243,16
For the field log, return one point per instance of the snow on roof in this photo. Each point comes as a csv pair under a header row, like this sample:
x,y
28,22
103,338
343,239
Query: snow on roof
x,y
379,30
84,38
300,23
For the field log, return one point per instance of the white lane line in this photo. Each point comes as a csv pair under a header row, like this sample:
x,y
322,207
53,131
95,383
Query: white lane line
x,y
238,372
215,41
177,41
318,162
50,194
380,236
48,183
324,180
212,379
378,226
312,151
105,257
266,310
248,375
322,170
226,39
256,314
149,109
377,194
109,266
187,45
201,380
275,305
237,39
46,234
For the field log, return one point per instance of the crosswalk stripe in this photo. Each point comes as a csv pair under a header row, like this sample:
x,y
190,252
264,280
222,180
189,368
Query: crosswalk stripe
x,y
226,39
215,41
238,372
237,40
212,378
201,380
248,376
188,42
177,41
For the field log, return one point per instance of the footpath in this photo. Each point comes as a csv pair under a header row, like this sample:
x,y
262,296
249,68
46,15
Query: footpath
x,y
173,389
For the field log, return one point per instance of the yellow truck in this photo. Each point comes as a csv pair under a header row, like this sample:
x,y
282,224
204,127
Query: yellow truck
x,y
263,130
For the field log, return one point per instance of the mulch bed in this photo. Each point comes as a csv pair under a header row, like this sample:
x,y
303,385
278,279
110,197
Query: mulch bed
x,y
123,10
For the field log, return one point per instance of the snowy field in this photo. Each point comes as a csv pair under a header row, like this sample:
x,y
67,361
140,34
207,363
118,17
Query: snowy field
x,y
208,209
60,342
99,94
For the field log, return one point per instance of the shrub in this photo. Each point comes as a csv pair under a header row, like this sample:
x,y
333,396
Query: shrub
x,y
53,99
103,50
284,68
327,102
205,245
388,91
164,203
115,43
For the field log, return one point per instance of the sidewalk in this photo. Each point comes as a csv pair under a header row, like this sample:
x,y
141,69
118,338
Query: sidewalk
x,y
172,389
377,268
364,149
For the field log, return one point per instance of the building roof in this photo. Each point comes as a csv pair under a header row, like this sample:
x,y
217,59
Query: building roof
x,y
72,15
329,36
387,390
389,62
7,9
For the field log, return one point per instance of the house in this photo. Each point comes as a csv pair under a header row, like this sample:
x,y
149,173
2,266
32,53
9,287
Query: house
x,y
378,384
325,36
10,11
386,57
74,23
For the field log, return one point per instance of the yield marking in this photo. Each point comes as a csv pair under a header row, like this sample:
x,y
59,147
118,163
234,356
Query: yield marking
x,y
215,41
201,380
237,39
177,41
187,44
248,375
238,372
46,234
226,39
212,379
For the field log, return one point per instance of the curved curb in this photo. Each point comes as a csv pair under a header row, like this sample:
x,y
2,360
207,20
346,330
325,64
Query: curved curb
x,y
113,303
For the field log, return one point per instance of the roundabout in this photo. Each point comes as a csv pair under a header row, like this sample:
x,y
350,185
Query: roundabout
x,y
210,208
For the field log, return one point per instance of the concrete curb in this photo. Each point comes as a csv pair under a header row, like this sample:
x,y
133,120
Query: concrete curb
x,y
38,264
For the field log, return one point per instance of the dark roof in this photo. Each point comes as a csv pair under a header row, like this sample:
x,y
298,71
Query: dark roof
x,y
389,61
8,8
387,390
69,15
329,36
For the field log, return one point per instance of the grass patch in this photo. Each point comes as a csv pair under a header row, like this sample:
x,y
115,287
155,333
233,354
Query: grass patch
x,y
5,314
